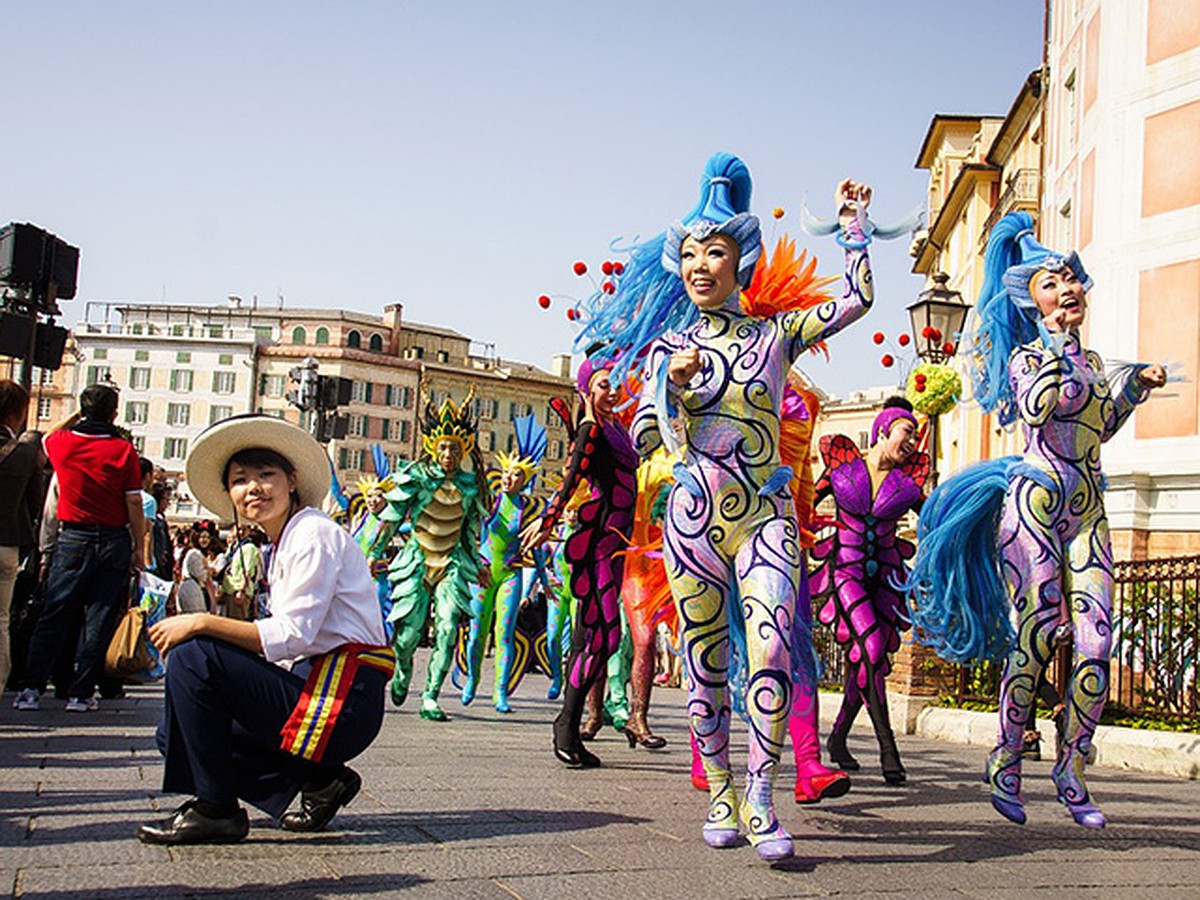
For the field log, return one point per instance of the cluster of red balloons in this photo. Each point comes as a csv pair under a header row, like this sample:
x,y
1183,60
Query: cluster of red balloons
x,y
580,268
931,334
919,382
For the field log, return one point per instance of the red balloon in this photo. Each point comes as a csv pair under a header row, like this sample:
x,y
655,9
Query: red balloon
x,y
887,360
544,302
607,268
927,332
920,386
608,287
903,339
935,334
878,337
919,378
571,314
618,267
580,268
948,348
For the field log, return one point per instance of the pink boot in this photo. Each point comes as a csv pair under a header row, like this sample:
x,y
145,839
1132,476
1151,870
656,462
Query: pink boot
x,y
699,779
814,782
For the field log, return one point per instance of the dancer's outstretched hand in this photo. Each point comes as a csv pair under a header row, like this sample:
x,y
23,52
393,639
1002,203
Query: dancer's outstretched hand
x,y
850,192
1153,376
534,535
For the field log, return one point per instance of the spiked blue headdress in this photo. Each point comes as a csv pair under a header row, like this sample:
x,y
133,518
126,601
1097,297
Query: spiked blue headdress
x,y
1008,316
649,298
530,449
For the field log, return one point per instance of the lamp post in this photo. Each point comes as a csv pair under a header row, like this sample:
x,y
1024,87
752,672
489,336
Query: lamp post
x,y
937,319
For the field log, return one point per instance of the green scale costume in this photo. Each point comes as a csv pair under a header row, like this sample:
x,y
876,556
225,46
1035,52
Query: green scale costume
x,y
435,569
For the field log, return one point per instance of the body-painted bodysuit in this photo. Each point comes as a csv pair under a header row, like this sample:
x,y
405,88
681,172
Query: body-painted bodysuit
x,y
1056,551
500,551
860,564
436,567
604,456
719,529
374,536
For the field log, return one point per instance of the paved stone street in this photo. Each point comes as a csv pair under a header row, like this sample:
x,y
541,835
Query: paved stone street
x,y
478,807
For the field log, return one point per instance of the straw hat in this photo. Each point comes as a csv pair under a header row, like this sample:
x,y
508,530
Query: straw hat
x,y
217,443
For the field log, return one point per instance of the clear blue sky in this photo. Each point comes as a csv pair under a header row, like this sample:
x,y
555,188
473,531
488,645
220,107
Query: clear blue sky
x,y
458,157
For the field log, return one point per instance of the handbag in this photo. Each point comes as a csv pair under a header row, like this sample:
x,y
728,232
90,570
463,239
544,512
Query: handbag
x,y
129,650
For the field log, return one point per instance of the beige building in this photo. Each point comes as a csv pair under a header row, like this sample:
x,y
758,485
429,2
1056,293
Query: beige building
x,y
1122,185
180,368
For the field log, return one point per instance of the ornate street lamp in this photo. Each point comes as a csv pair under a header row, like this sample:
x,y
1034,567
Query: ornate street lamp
x,y
937,320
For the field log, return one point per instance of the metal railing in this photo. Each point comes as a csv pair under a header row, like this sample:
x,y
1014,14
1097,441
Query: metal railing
x,y
1021,192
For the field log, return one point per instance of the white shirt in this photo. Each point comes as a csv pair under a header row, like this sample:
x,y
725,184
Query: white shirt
x,y
322,593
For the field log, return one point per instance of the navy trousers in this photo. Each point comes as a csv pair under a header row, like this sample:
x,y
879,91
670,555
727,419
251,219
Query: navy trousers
x,y
225,709
89,572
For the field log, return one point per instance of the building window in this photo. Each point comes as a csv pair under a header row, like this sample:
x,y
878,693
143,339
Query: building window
x,y
137,412
406,398
225,359
44,408
487,440
864,441
360,392
343,458
139,444
217,413
358,426
299,336
274,385
175,448
135,328
100,353
139,378
214,331
376,344
443,356
322,335
177,331
141,355
46,377
404,432
97,374
556,449
183,357
181,380
385,429
263,332
178,415
353,338
224,382
358,459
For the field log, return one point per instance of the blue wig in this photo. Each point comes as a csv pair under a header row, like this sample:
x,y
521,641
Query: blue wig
x,y
957,596
649,298
1008,316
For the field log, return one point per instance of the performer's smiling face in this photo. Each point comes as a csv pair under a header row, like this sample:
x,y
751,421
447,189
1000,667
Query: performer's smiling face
x,y
602,394
1061,290
900,442
376,502
261,493
709,269
511,480
449,455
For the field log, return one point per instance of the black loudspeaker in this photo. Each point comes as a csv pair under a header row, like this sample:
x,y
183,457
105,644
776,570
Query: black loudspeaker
x,y
49,345
21,247
31,257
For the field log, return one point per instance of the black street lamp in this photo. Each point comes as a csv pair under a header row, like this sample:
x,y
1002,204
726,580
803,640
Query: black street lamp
x,y
937,319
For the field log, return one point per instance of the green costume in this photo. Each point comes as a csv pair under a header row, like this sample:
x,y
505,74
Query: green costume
x,y
435,569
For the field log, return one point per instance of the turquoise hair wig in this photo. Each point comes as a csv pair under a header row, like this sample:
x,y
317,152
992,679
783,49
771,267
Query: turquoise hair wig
x,y
957,596
648,297
1008,316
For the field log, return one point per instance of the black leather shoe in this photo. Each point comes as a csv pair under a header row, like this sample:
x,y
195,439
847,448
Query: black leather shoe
x,y
317,808
577,757
188,826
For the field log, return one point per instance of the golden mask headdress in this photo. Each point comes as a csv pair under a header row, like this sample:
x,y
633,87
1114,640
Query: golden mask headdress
x,y
449,423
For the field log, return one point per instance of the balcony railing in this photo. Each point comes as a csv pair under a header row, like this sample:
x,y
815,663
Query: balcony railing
x,y
1020,193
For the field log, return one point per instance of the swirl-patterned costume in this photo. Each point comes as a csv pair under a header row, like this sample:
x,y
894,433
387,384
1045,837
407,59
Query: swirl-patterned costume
x,y
730,525
602,455
1048,550
860,564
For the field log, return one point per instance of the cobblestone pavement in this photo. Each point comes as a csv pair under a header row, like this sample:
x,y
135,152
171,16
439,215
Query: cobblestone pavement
x,y
478,807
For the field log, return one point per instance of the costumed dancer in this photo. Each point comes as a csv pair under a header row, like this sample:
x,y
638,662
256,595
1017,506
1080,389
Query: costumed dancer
x,y
601,453
861,564
374,536
237,725
559,601
435,569
789,282
500,554
729,520
1022,543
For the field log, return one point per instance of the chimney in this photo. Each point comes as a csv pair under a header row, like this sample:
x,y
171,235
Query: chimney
x,y
560,365
235,302
392,315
